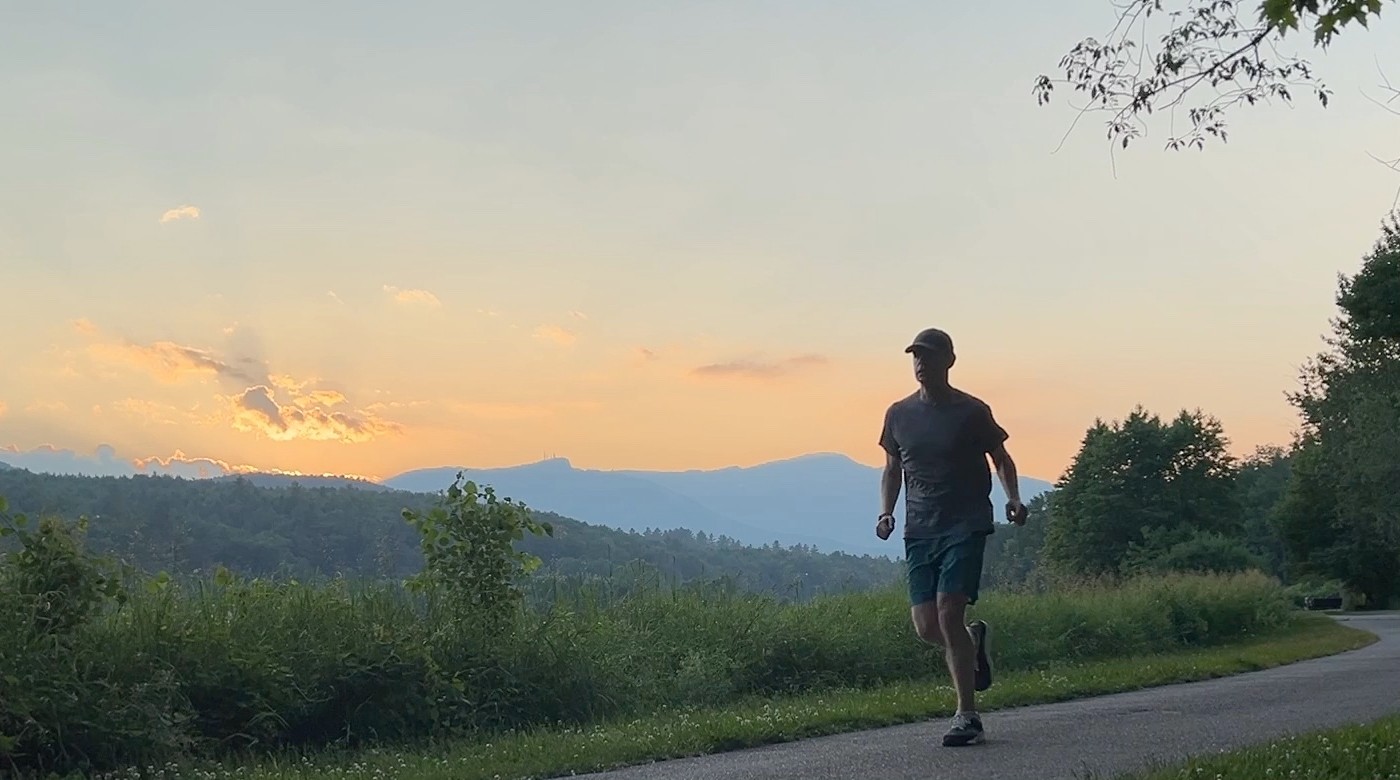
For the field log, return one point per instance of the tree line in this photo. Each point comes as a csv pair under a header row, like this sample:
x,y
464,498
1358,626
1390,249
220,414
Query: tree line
x,y
1144,494
182,526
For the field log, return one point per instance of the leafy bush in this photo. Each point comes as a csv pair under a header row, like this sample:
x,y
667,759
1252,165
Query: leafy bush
x,y
64,702
468,540
172,669
1203,552
1315,587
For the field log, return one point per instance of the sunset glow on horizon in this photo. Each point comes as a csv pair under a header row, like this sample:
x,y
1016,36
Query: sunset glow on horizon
x,y
366,241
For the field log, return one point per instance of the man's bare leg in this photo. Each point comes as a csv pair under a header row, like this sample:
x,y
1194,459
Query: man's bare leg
x,y
961,654
926,625
958,649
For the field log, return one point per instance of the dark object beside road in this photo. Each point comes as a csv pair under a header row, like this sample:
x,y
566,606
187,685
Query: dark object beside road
x,y
1323,602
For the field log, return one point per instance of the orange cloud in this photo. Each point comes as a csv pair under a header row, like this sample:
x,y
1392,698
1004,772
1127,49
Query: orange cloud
x,y
555,334
644,355
325,398
182,212
256,410
84,326
759,369
412,296
277,405
169,362
289,383
380,405
4,407
180,464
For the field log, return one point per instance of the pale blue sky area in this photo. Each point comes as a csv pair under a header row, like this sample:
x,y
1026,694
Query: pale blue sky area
x,y
782,178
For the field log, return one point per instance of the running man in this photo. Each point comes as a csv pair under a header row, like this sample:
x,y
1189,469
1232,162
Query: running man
x,y
936,444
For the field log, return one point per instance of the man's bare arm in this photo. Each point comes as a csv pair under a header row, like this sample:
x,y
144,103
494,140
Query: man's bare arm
x,y
1006,472
891,480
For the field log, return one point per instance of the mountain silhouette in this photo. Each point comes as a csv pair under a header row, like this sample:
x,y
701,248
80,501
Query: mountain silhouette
x,y
824,500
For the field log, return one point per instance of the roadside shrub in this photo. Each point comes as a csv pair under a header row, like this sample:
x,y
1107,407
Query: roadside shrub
x,y
140,670
1201,552
1313,587
62,703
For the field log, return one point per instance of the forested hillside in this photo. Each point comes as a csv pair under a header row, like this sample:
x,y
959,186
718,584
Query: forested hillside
x,y
178,525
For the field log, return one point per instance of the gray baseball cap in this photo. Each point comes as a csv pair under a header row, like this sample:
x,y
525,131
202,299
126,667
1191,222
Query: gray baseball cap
x,y
932,339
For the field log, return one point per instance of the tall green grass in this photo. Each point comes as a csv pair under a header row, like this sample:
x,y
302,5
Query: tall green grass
x,y
226,666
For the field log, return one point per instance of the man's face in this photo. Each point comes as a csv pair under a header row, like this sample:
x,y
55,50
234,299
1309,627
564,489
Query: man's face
x,y
929,363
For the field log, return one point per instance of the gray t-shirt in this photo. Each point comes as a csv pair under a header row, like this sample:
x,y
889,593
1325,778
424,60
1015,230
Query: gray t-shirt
x,y
943,449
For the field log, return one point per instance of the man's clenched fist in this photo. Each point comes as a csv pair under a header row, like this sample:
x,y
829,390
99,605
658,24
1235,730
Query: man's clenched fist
x,y
1016,512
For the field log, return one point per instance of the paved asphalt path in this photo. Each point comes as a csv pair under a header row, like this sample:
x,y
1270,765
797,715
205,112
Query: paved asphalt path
x,y
1107,734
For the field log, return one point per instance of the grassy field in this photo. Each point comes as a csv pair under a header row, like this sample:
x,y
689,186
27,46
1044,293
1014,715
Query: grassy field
x,y
100,670
677,732
1365,752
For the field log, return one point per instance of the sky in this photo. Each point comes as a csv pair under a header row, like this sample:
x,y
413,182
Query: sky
x,y
361,238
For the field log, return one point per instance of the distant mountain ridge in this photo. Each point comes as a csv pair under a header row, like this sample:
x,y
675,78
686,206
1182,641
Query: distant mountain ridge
x,y
825,500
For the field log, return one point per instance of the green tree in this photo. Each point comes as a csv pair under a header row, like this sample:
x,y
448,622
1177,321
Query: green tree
x,y
1339,518
326,529
1014,552
1218,48
1263,479
468,543
1141,487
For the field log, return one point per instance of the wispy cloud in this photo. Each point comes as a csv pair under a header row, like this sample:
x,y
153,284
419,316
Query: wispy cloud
x,y
578,315
149,412
4,407
167,361
43,406
420,297
257,410
641,355
326,398
170,362
382,405
331,294
759,369
181,465
556,334
49,459
519,410
278,405
180,212
290,383
104,461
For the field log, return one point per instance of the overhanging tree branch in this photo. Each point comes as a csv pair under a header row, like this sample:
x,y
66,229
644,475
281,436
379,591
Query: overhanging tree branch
x,y
1209,45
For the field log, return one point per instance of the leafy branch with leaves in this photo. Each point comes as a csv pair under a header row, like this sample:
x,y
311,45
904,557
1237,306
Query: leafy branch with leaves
x,y
1213,47
468,539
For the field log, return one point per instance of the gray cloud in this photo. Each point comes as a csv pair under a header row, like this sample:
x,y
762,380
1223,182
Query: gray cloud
x,y
759,369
